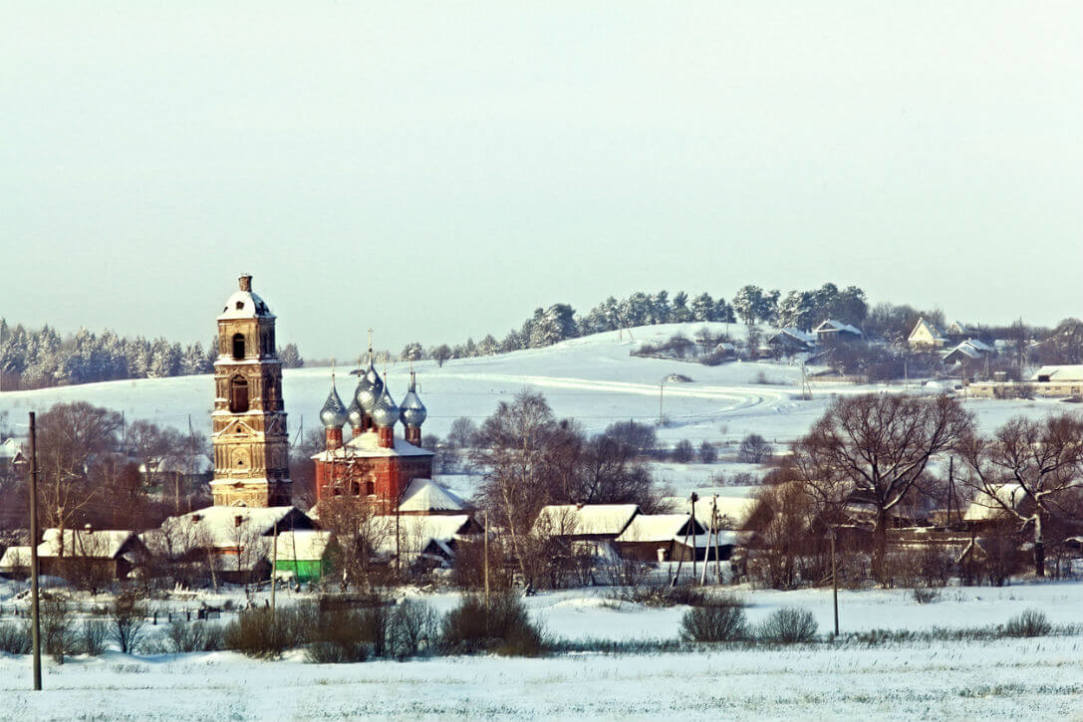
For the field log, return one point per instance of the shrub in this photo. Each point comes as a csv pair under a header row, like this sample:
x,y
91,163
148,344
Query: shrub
x,y
57,636
338,638
14,638
502,627
683,452
214,637
926,595
413,628
708,454
754,449
714,624
253,634
789,625
94,633
129,615
1030,623
187,636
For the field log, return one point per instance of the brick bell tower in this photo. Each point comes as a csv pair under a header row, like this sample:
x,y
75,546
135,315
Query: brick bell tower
x,y
251,448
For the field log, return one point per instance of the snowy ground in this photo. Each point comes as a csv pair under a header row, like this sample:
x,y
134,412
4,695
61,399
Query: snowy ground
x,y
1005,679
593,380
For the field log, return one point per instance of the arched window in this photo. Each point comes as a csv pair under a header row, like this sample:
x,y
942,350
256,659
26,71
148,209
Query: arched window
x,y
238,346
238,395
355,489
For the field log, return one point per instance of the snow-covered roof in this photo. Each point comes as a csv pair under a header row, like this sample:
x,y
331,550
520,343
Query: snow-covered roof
x,y
96,544
804,337
702,541
831,325
415,532
654,527
223,526
985,506
244,304
427,495
594,519
180,464
970,348
733,511
15,558
1060,373
302,545
368,445
10,448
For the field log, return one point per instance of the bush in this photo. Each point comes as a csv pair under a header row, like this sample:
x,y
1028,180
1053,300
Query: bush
x,y
502,627
789,625
339,638
926,595
1031,623
413,628
683,452
187,636
253,634
15,638
720,623
708,454
94,633
754,449
129,615
57,636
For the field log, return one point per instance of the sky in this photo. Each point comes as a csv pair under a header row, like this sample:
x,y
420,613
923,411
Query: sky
x,y
438,170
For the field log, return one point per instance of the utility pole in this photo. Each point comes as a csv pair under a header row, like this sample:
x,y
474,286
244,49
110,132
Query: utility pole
x,y
274,573
486,560
35,622
694,498
661,388
834,582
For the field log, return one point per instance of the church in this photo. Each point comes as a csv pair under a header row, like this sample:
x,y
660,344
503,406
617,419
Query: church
x,y
251,445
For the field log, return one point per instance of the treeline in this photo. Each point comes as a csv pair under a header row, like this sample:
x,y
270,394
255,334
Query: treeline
x,y
750,304
36,358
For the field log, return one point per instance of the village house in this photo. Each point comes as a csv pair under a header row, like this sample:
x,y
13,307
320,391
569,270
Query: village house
x,y
832,332
659,537
84,556
925,336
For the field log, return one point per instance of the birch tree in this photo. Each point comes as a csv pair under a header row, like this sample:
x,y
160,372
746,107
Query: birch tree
x,y
1030,470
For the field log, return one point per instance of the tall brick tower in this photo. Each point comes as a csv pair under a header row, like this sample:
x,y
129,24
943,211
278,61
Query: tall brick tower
x,y
251,448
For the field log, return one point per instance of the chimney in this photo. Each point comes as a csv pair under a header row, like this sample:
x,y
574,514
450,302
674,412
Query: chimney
x,y
245,281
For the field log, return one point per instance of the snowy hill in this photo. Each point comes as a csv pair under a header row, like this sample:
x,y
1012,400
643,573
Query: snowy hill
x,y
592,379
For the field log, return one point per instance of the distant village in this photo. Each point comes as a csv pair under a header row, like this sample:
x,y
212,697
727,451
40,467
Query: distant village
x,y
380,515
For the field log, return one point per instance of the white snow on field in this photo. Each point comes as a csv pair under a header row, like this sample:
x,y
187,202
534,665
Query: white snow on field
x,y
1007,679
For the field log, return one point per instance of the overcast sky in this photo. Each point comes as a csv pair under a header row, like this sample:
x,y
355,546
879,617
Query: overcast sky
x,y
438,170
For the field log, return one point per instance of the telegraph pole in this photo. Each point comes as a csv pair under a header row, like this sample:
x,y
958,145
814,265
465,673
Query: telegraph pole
x,y
834,582
35,622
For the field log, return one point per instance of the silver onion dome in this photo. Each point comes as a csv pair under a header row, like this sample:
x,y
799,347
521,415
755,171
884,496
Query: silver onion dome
x,y
369,389
413,411
385,413
333,414
354,414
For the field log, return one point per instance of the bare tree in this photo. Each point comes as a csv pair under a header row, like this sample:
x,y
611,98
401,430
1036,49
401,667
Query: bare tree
x,y
876,448
1030,470
71,437
512,448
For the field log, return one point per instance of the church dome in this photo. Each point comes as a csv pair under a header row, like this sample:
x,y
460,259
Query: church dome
x,y
413,411
333,414
369,389
354,414
385,413
243,303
